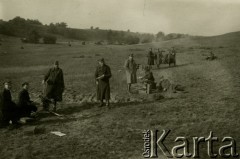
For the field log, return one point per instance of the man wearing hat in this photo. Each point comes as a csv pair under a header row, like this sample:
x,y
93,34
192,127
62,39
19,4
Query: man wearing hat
x,y
102,76
24,103
131,71
9,110
54,86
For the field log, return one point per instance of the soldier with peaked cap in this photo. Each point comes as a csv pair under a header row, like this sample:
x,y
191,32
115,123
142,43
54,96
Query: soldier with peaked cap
x,y
131,71
9,110
102,76
24,103
54,86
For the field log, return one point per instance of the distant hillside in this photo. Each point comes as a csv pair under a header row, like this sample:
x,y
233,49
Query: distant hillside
x,y
229,39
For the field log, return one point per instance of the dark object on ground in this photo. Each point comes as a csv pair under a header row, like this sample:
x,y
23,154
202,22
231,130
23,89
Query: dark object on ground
x,y
34,130
22,47
155,97
179,88
83,43
210,58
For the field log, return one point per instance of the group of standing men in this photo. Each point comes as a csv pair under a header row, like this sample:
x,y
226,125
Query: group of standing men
x,y
158,58
54,87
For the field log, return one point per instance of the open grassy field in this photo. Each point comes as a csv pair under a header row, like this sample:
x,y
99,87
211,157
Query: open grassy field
x,y
211,101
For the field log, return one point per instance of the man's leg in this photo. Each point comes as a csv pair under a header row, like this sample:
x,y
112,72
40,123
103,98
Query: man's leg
x,y
45,103
5,119
108,103
129,87
54,105
101,103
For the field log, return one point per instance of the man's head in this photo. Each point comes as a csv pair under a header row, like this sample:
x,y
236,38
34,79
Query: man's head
x,y
147,69
130,57
56,64
101,62
150,49
8,85
25,85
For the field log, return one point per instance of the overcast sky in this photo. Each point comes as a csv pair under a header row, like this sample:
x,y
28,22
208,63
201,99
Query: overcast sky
x,y
196,17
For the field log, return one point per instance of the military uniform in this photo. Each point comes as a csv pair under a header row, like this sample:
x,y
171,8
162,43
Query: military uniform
x,y
102,76
131,71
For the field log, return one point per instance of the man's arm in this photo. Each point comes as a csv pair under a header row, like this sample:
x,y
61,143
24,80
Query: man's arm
x,y
46,76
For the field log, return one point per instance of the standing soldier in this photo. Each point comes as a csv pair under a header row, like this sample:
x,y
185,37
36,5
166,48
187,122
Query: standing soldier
x,y
24,103
150,58
159,58
131,72
172,57
102,76
54,86
9,110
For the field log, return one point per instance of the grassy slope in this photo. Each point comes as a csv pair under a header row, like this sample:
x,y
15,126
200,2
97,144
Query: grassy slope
x,y
211,104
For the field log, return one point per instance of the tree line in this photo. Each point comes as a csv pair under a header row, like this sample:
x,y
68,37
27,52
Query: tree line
x,y
32,31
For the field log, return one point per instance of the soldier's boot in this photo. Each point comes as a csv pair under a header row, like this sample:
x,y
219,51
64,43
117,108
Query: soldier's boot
x,y
129,88
108,104
54,106
101,103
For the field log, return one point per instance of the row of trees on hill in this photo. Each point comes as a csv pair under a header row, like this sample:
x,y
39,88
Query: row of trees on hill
x,y
33,30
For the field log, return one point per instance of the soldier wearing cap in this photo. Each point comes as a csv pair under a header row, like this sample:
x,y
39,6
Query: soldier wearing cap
x,y
131,71
102,76
9,110
24,103
54,86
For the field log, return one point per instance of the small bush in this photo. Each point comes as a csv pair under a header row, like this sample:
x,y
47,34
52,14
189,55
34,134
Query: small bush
x,y
49,39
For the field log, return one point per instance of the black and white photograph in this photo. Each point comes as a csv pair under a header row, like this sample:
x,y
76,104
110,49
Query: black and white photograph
x,y
119,79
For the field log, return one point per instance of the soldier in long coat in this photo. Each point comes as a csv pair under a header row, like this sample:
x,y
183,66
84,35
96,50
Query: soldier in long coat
x,y
159,58
102,76
24,103
131,71
150,57
54,86
9,109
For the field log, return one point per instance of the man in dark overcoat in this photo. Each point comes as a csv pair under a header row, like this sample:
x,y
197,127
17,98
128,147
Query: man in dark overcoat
x,y
9,109
54,86
102,76
150,57
25,105
159,57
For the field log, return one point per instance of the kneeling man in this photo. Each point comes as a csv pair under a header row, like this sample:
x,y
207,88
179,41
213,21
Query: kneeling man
x,y
26,106
9,110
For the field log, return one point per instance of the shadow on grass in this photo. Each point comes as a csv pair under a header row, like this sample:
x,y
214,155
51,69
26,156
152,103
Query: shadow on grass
x,y
49,118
